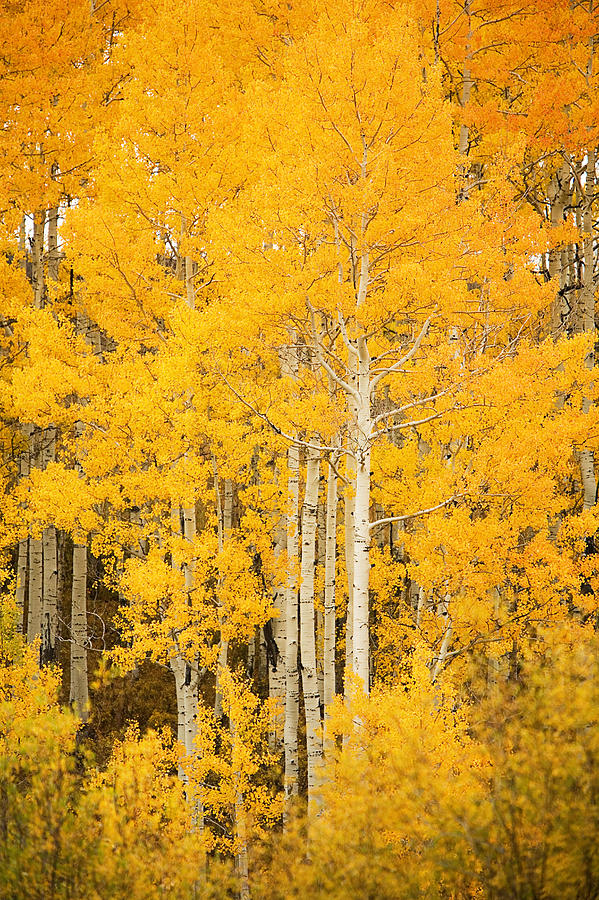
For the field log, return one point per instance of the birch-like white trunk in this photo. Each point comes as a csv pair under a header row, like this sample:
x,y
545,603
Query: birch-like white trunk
x,y
239,813
53,255
225,526
276,657
291,628
465,95
307,627
444,615
50,566
37,259
329,590
21,584
320,559
22,558
191,693
360,636
178,667
559,194
79,695
587,461
349,496
34,613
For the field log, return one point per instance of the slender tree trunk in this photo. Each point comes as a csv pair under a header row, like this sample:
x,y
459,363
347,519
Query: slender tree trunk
x,y
224,513
251,657
558,195
291,628
443,613
79,696
177,665
24,544
329,590
361,632
466,91
191,706
21,584
50,585
241,859
53,256
320,559
587,461
307,627
50,582
349,497
34,614
39,223
276,650
189,284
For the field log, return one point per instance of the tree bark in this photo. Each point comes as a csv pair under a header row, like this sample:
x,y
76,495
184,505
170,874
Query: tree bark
x,y
177,666
587,461
79,695
39,223
225,526
34,613
53,256
307,627
276,649
23,552
50,565
360,636
329,591
349,497
291,628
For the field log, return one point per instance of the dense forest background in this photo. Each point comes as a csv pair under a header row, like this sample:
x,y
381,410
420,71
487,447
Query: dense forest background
x,y
298,426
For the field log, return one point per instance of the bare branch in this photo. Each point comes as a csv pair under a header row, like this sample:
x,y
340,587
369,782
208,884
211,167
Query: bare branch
x,y
420,512
321,448
406,358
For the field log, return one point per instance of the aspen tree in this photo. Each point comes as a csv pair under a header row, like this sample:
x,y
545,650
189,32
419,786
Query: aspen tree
x,y
308,624
276,669
79,694
34,611
291,627
329,589
23,552
225,526
50,565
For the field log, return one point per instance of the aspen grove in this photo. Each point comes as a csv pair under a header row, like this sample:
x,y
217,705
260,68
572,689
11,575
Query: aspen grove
x,y
299,530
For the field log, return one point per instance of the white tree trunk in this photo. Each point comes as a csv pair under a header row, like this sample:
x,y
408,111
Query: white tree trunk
x,y
291,628
443,613
329,590
50,565
177,665
23,545
276,656
587,461
21,583
360,636
349,498
39,223
79,696
53,256
241,860
307,627
321,544
34,614
225,526
466,87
